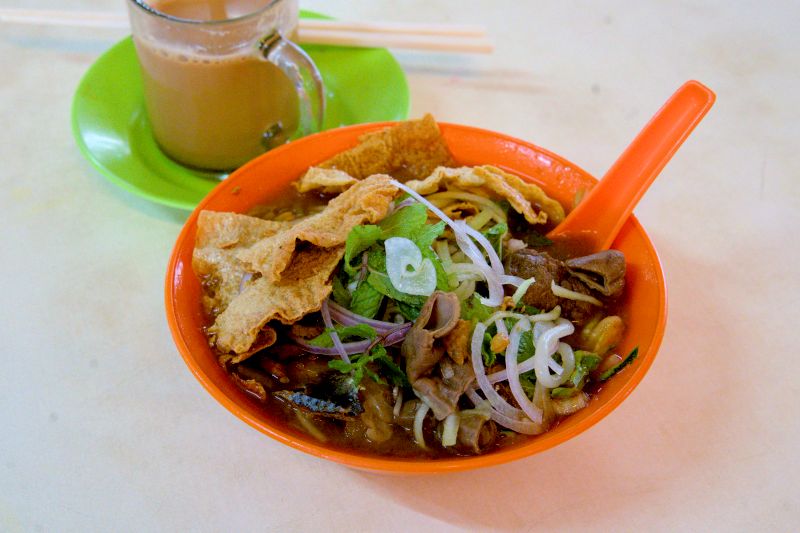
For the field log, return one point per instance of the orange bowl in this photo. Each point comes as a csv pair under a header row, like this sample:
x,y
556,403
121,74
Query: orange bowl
x,y
264,178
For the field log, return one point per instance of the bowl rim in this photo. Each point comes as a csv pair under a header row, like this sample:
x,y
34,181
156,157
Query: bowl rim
x,y
399,465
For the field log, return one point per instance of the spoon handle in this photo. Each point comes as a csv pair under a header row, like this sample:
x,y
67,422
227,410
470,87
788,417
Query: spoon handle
x,y
600,215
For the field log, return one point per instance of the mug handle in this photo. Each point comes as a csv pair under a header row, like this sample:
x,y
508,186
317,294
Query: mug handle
x,y
307,80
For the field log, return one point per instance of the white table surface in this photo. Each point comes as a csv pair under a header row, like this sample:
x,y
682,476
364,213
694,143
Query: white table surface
x,y
103,428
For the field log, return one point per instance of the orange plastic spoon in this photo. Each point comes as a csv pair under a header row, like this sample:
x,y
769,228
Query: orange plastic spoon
x,y
598,218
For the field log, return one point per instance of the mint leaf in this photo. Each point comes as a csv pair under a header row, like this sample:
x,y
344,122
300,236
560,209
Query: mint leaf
x,y
404,222
526,346
358,367
382,284
341,366
409,311
376,260
365,301
340,293
390,368
426,234
358,240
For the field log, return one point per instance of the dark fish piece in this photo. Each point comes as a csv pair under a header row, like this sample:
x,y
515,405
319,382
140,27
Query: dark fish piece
x,y
335,397
318,406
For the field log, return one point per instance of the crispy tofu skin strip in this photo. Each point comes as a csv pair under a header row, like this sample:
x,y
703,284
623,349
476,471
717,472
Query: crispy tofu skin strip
x,y
366,202
220,236
408,150
290,269
324,180
526,198
301,290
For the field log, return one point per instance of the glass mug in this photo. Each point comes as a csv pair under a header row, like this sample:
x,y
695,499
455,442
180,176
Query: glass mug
x,y
222,82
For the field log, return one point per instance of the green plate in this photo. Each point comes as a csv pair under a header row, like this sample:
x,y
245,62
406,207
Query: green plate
x,y
111,127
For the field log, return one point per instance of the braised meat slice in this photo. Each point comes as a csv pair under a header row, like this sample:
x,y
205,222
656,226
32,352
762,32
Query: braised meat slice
x,y
601,275
603,272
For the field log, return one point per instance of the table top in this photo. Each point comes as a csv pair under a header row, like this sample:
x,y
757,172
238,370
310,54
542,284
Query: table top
x,y
104,428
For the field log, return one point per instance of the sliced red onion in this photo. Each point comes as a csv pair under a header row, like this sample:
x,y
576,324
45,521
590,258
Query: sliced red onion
x,y
349,348
464,271
528,364
494,398
337,343
524,426
546,346
567,359
348,318
492,279
392,337
533,412
540,327
494,259
405,203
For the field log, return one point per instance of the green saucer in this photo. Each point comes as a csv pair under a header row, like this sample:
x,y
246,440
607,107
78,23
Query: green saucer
x,y
111,127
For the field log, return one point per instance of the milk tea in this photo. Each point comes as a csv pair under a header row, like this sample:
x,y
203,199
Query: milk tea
x,y
208,110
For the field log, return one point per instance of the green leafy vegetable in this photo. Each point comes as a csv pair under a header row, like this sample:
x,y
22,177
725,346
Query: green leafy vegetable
x,y
564,392
585,362
526,346
426,234
391,369
358,367
619,366
528,382
489,357
474,310
340,293
382,284
366,300
495,236
359,331
409,311
376,260
359,240
529,309
404,222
